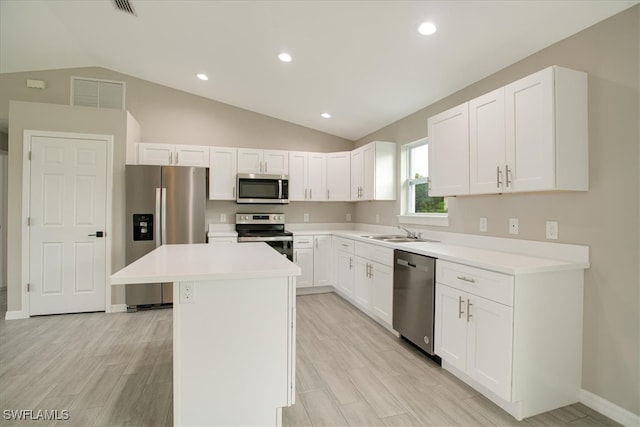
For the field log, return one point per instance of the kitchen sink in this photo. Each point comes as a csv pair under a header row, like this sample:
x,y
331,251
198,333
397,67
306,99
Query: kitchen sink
x,y
395,238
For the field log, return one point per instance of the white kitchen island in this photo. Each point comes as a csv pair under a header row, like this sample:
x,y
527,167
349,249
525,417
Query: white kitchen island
x,y
233,330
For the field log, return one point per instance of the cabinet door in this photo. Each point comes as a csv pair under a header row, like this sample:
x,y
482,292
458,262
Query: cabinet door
x,y
304,259
487,143
249,160
155,154
451,326
363,285
489,345
382,297
339,176
222,173
368,172
449,152
298,165
322,260
357,177
316,176
275,162
530,142
192,155
345,274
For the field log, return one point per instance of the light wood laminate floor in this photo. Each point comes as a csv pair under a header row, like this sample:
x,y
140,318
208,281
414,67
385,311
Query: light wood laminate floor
x,y
116,370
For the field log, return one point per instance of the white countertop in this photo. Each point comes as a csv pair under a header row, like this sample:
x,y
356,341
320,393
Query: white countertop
x,y
488,259
174,263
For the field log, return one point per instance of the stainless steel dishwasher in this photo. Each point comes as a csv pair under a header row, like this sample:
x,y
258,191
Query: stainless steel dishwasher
x,y
414,298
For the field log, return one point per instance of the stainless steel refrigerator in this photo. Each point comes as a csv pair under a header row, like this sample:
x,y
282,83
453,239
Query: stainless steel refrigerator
x,y
165,205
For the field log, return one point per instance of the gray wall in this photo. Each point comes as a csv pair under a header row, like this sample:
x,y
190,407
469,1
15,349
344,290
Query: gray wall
x,y
606,218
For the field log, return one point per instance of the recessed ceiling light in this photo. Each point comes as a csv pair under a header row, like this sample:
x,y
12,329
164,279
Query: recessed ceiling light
x,y
427,28
202,76
326,115
284,57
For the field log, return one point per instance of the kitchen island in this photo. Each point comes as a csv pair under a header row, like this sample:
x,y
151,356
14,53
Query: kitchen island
x,y
233,330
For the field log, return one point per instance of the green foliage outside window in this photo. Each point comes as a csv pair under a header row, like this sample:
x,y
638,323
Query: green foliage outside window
x,y
424,203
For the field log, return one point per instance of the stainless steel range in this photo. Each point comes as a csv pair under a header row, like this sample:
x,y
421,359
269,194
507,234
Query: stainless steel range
x,y
268,228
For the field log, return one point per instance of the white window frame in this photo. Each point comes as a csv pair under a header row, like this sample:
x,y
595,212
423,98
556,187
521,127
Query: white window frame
x,y
407,216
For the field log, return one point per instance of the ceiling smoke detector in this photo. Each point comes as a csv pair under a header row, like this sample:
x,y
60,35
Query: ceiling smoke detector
x,y
123,5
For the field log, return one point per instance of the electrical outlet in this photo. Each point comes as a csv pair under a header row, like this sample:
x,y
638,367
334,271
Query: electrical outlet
x,y
223,217
483,224
306,217
187,292
377,218
513,226
348,217
552,230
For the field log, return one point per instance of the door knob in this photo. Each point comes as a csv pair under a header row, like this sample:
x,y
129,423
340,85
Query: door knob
x,y
97,234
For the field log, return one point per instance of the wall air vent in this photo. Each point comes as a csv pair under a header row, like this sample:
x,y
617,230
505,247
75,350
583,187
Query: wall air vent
x,y
124,5
89,92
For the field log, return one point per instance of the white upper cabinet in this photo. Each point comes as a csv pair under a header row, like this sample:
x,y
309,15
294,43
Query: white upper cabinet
x,y
373,172
307,176
547,131
263,161
487,143
338,176
222,173
449,152
172,155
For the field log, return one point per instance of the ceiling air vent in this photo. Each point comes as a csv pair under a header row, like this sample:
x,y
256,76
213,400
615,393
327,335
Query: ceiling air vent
x,y
123,5
97,93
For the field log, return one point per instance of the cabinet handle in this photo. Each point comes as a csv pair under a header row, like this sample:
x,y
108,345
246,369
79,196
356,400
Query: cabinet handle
x,y
370,271
350,263
170,157
316,239
469,310
305,194
302,241
498,177
345,245
460,312
177,157
296,257
233,192
328,198
466,279
265,167
507,173
310,193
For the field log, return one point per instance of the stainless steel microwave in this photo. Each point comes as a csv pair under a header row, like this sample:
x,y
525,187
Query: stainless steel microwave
x,y
262,188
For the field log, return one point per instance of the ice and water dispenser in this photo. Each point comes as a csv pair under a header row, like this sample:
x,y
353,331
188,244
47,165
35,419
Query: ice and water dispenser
x,y
142,227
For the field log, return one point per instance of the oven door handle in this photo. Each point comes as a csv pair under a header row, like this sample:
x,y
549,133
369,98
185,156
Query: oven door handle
x,y
266,239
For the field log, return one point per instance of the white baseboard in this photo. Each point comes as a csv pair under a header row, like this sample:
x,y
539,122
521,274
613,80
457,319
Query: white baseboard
x,y
314,290
118,308
609,409
15,315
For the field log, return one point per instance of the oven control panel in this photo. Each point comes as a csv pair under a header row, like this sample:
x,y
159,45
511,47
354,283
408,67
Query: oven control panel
x,y
252,218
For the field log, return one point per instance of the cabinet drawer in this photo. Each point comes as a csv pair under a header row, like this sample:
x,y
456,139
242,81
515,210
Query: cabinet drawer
x,y
494,286
302,242
343,245
377,253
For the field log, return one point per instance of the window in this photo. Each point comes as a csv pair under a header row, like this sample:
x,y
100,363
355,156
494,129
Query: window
x,y
417,206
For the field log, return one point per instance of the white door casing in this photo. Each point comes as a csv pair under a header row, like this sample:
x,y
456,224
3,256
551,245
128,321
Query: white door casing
x,y
68,199
3,219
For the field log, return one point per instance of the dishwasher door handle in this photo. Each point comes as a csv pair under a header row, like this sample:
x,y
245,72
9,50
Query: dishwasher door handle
x,y
406,263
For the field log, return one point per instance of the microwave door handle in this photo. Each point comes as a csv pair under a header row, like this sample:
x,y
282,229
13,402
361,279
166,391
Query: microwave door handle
x,y
279,189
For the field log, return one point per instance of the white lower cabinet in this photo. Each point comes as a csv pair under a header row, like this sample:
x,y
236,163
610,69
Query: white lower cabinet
x,y
474,335
517,339
371,273
344,267
313,254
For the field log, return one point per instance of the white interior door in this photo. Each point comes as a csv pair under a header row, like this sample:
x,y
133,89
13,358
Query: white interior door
x,y
68,193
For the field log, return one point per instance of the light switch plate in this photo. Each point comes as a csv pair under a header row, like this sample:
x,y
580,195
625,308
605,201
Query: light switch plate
x,y
377,218
513,226
552,230
483,224
306,217
348,217
223,217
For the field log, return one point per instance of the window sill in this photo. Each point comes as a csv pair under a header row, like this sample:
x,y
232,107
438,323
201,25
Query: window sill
x,y
440,220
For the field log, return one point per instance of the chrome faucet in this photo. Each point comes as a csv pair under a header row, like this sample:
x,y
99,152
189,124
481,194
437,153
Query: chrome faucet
x,y
410,234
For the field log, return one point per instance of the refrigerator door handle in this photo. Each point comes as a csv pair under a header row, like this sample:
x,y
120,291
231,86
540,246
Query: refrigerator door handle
x,y
163,216
156,220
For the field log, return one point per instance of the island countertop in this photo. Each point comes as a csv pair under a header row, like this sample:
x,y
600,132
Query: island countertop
x,y
174,263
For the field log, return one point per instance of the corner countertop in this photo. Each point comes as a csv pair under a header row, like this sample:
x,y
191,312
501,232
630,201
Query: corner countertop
x,y
502,261
174,263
